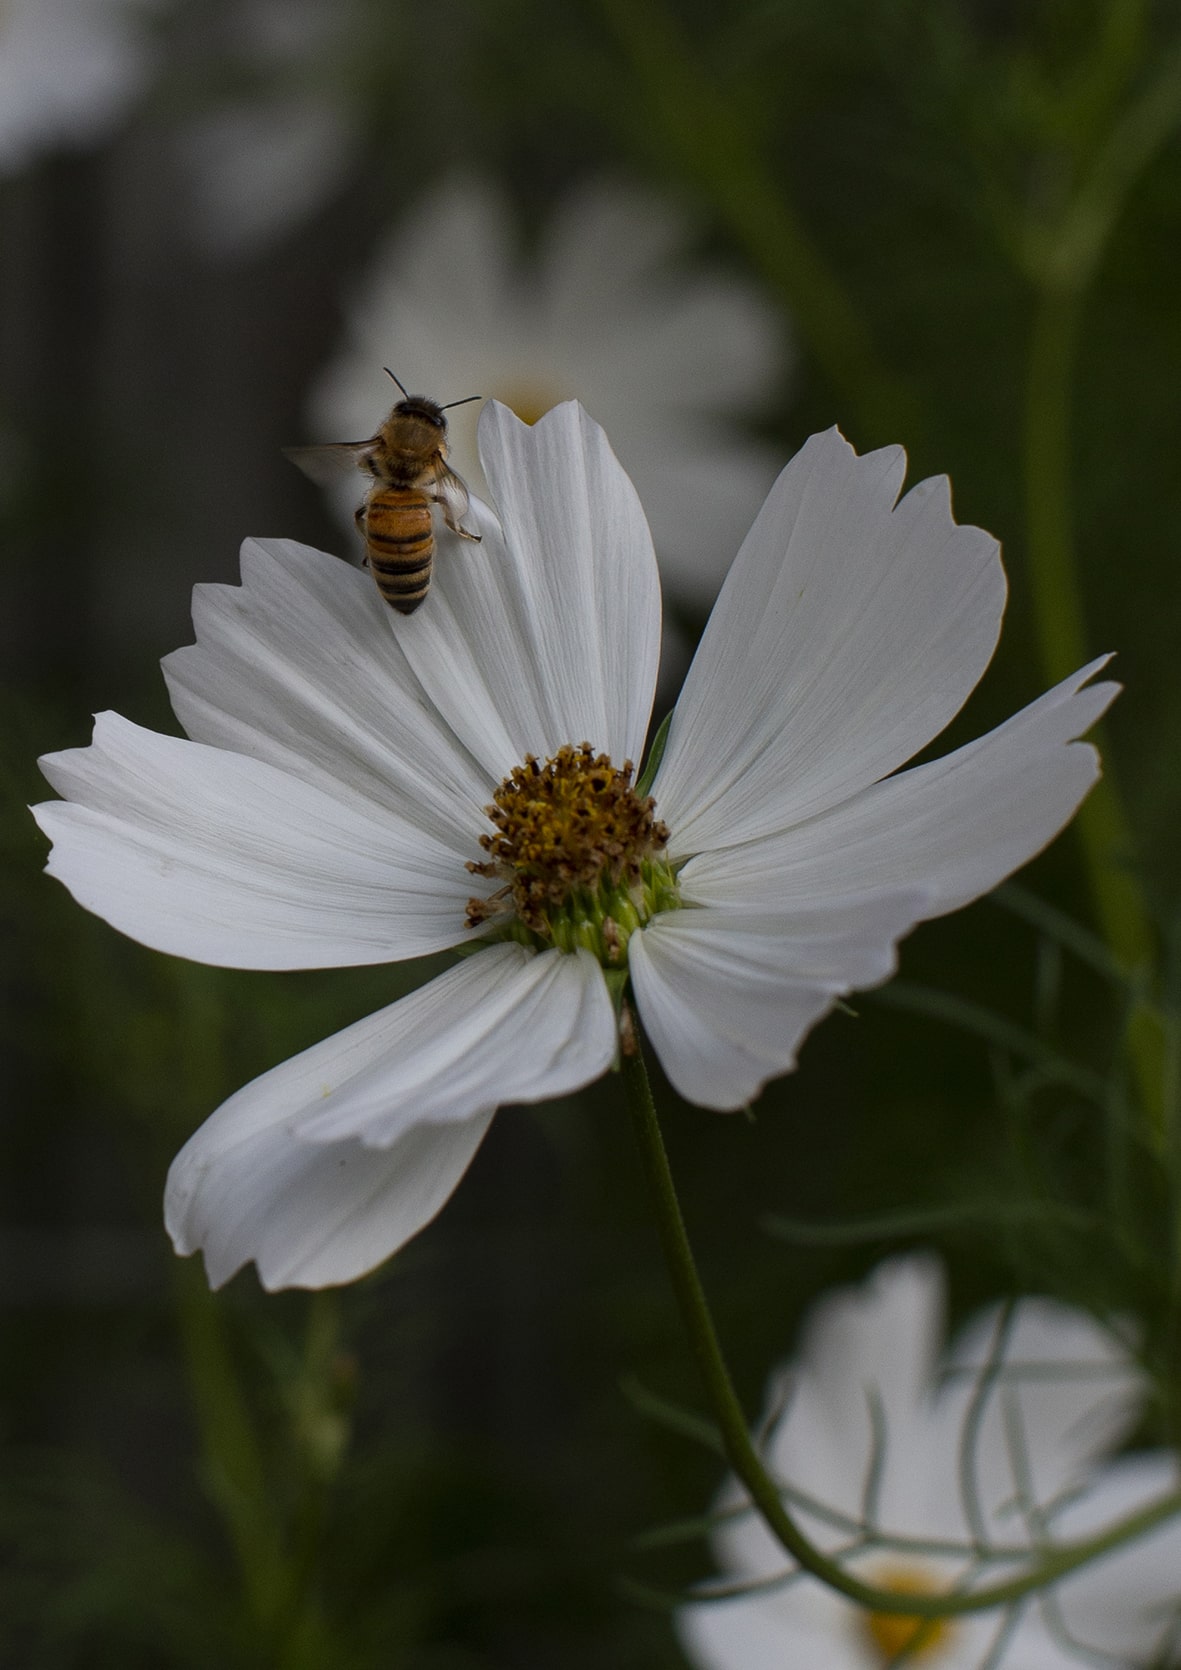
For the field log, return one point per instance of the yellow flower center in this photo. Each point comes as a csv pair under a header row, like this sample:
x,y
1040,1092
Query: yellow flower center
x,y
529,401
576,850
902,1636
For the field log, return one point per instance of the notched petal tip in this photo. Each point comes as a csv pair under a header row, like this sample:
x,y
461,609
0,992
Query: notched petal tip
x,y
55,760
499,425
830,449
851,630
567,422
41,813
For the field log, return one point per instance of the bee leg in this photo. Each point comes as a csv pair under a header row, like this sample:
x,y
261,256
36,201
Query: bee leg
x,y
463,533
359,519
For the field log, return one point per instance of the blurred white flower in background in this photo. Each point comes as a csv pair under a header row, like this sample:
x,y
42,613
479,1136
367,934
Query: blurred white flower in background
x,y
870,1420
68,71
261,162
667,355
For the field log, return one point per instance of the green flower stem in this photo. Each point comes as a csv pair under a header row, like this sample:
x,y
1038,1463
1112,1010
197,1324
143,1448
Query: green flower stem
x,y
709,139
1050,1564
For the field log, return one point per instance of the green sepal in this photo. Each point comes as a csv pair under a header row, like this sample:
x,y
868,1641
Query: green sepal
x,y
616,979
655,755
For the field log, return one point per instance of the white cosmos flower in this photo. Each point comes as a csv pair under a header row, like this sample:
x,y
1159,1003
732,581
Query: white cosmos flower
x,y
667,357
870,1420
343,759
68,70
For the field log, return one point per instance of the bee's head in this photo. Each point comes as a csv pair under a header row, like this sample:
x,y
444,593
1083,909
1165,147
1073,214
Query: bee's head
x,y
418,406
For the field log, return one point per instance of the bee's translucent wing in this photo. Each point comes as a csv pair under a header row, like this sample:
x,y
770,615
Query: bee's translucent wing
x,y
324,464
453,499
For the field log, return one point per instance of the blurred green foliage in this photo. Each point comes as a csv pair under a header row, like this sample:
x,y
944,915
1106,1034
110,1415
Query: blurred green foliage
x,y
970,212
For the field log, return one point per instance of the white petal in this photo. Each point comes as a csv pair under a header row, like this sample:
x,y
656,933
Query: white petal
x,y
327,1164
259,167
311,1216
727,997
848,634
67,72
624,313
447,268
958,825
300,666
774,1631
868,1352
552,636
853,1410
1068,1393
224,859
874,1344
1125,1604
808,1627
505,1026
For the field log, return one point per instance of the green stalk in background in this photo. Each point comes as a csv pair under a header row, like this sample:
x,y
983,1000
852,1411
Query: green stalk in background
x,y
269,1488
276,1542
233,1469
709,138
1061,259
1102,822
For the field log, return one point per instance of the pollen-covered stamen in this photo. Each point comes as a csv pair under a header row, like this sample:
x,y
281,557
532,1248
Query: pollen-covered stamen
x,y
575,847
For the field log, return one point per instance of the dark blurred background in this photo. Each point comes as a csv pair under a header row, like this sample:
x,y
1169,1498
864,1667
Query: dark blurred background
x,y
952,224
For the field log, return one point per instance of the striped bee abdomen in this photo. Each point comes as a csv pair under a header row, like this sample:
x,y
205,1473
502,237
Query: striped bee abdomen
x,y
400,539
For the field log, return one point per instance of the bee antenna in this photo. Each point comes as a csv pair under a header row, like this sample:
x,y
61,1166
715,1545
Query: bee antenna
x,y
466,401
397,380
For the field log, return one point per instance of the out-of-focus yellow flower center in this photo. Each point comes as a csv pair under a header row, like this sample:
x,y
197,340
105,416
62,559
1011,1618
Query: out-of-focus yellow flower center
x,y
903,1636
577,852
530,401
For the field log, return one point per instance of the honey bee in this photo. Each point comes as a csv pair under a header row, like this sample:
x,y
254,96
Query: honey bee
x,y
407,459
